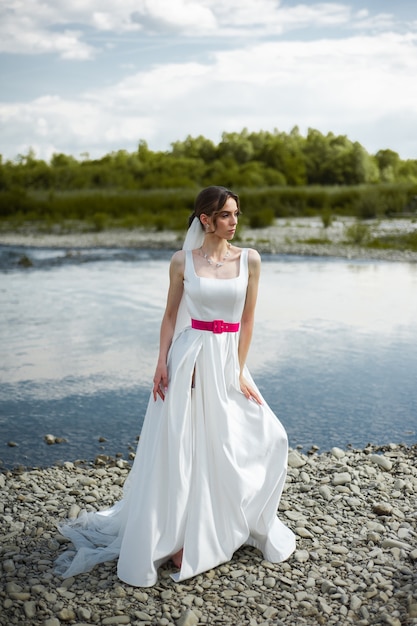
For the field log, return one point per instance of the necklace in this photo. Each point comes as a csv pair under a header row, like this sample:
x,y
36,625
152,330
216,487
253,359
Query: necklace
x,y
210,260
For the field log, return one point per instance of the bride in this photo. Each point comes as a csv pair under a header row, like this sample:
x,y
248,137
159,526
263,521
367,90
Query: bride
x,y
211,460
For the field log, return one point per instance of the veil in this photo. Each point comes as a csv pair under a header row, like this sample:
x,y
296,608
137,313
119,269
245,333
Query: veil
x,y
195,235
193,239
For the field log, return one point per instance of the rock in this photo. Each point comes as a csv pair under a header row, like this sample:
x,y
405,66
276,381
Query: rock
x,y
303,532
324,607
74,511
337,452
22,596
13,587
375,526
29,608
382,508
9,566
355,603
66,615
301,556
341,478
83,613
188,618
395,543
382,461
141,596
339,549
325,492
351,566
166,595
390,620
295,459
50,439
87,481
404,533
144,617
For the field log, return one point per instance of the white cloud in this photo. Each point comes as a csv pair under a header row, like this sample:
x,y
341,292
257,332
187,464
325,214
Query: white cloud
x,y
380,22
61,27
361,86
321,14
52,124
176,15
25,34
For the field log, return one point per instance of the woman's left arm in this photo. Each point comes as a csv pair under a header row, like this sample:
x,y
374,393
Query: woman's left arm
x,y
247,321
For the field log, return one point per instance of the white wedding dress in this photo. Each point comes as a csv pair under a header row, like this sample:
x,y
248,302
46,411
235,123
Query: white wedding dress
x,y
210,465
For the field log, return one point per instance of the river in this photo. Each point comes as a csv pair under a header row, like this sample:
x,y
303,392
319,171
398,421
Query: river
x,y
334,350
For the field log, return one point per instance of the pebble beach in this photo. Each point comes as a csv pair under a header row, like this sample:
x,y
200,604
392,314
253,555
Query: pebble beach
x,y
354,513
295,236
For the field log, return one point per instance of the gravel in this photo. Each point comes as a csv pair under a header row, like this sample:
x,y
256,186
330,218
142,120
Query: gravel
x,y
286,236
354,513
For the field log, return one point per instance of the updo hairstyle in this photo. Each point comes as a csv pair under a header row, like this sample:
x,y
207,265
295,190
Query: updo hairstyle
x,y
210,201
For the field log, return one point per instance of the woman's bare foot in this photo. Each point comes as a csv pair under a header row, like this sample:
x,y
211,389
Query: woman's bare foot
x,y
177,558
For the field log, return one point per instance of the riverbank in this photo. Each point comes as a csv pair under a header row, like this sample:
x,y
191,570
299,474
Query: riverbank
x,y
294,236
353,512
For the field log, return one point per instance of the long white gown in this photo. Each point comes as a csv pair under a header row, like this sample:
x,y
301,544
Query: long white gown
x,y
210,465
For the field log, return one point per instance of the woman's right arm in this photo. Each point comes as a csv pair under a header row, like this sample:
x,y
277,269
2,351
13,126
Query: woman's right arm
x,y
175,291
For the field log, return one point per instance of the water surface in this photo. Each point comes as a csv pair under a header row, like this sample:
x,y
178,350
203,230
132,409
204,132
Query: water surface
x,y
334,349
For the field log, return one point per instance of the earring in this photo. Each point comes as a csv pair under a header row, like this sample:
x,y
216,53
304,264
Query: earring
x,y
207,226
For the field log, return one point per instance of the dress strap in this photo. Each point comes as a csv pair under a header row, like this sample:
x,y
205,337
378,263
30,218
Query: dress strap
x,y
188,262
244,263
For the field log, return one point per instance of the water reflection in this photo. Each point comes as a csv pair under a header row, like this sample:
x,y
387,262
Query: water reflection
x,y
333,349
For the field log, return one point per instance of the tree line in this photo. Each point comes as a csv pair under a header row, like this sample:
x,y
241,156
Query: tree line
x,y
275,173
245,159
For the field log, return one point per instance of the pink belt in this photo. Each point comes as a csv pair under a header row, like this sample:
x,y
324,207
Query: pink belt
x,y
216,326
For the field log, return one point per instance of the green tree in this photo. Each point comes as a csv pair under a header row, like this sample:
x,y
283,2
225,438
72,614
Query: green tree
x,y
388,163
236,146
195,148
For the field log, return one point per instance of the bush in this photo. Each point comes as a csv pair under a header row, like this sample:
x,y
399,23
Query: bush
x,y
100,221
407,241
15,201
262,219
368,204
170,208
358,233
327,219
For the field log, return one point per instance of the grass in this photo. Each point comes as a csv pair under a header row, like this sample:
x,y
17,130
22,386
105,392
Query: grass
x,y
358,234
406,241
315,241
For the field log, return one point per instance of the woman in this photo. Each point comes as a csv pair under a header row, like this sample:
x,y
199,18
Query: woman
x,y
211,460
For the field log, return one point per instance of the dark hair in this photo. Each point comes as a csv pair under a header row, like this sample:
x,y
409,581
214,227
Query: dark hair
x,y
211,200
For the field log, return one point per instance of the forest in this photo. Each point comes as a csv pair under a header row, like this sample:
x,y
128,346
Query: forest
x,y
276,174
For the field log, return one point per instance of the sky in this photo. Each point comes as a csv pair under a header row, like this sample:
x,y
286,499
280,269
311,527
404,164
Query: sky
x,y
95,76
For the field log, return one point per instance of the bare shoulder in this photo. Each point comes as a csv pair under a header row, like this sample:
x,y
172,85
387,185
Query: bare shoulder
x,y
178,257
178,261
253,255
254,260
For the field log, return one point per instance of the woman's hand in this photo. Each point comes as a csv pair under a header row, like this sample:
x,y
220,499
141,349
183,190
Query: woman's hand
x,y
248,391
160,381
